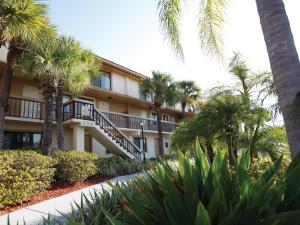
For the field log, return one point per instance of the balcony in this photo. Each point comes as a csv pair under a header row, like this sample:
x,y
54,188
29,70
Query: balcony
x,y
133,122
24,108
31,109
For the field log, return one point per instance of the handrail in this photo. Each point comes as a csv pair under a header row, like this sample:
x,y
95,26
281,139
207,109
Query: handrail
x,y
136,117
25,108
131,122
87,111
110,128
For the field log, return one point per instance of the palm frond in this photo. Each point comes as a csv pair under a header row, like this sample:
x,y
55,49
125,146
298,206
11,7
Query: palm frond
x,y
169,17
210,23
24,20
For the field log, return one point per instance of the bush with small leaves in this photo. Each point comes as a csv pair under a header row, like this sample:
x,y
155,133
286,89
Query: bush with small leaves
x,y
116,166
75,166
24,174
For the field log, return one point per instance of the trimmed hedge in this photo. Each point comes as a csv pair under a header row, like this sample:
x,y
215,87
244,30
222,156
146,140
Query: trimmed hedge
x,y
115,166
74,166
24,174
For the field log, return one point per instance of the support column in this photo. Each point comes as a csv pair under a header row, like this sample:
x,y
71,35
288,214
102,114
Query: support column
x,y
78,138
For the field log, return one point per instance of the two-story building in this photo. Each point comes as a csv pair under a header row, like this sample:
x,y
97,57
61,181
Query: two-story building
x,y
105,119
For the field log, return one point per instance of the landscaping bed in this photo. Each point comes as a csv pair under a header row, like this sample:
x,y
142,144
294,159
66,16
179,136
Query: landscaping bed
x,y
56,192
28,177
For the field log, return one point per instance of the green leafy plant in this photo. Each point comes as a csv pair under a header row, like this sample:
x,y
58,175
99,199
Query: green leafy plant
x,y
259,165
209,193
116,165
24,174
74,166
91,210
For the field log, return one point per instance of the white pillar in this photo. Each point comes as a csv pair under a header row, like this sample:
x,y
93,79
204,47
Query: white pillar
x,y
78,138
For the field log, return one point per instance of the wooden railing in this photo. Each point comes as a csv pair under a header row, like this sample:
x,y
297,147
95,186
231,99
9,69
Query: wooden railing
x,y
134,122
86,111
24,108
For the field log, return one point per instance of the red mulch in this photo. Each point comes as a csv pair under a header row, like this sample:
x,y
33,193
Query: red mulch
x,y
55,192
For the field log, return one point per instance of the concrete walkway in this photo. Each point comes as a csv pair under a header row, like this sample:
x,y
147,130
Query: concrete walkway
x,y
34,214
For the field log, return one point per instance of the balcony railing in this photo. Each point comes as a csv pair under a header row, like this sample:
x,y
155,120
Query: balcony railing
x,y
132,122
32,109
24,108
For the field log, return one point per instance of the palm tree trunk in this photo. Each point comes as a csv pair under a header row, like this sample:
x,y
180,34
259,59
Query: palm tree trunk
x,y
59,118
285,65
5,90
160,134
48,119
183,105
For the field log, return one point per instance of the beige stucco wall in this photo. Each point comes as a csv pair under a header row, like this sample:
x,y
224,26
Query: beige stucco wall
x,y
133,88
102,106
150,139
118,107
98,148
119,83
134,110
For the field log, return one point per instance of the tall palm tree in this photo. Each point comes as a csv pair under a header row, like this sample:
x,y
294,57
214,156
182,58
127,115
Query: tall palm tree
x,y
279,40
69,54
21,22
163,90
189,93
79,67
40,62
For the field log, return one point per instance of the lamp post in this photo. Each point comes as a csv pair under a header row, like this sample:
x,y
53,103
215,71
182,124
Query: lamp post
x,y
143,141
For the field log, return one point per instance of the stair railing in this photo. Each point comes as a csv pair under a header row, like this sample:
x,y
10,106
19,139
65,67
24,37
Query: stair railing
x,y
87,111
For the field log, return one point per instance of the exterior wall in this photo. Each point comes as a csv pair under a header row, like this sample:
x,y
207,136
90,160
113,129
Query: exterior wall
x,y
118,107
133,88
98,148
102,106
123,98
150,142
118,83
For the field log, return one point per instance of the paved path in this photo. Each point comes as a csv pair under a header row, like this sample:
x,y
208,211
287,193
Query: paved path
x,y
34,214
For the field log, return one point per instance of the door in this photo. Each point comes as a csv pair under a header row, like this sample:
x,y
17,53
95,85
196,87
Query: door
x,y
87,143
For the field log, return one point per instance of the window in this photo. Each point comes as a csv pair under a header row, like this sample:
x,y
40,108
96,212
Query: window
x,y
139,143
15,140
103,81
154,117
165,117
166,145
66,98
148,98
67,107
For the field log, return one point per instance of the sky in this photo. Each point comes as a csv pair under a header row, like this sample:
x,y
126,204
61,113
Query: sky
x,y
127,32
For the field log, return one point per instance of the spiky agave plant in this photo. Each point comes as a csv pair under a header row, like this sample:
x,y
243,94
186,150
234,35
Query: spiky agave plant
x,y
204,193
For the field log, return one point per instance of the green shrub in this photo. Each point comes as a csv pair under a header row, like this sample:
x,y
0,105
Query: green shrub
x,y
116,166
204,193
198,192
91,208
259,165
23,174
75,166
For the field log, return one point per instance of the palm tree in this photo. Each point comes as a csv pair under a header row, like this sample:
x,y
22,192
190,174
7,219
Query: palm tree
x,y
40,62
279,40
21,22
189,93
163,90
79,66
69,54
